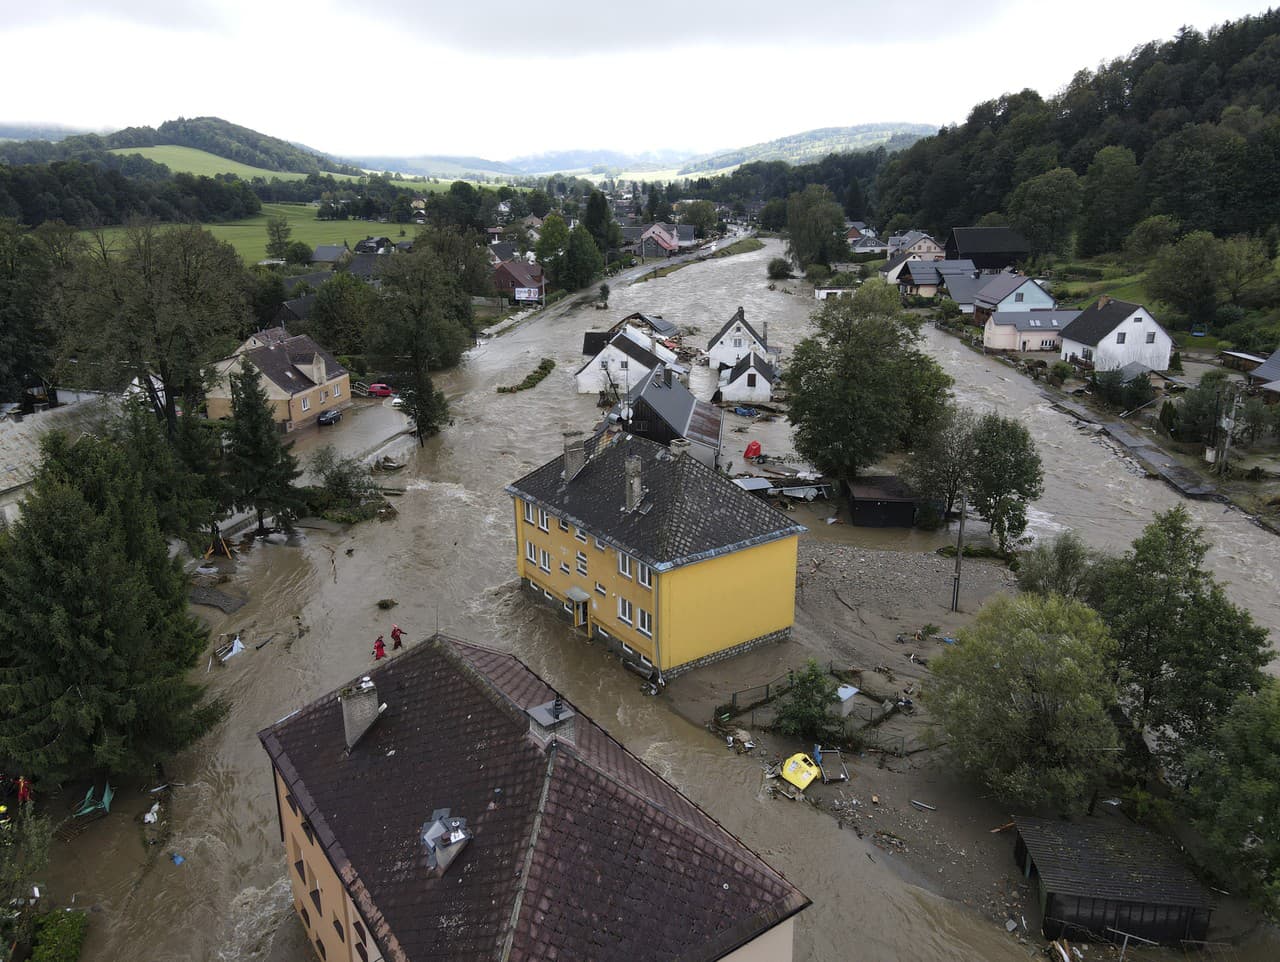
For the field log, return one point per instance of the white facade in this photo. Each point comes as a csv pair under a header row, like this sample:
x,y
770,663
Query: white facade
x,y
751,386
1139,337
736,343
610,369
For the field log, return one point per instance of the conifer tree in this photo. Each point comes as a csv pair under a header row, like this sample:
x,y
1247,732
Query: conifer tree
x,y
93,612
260,468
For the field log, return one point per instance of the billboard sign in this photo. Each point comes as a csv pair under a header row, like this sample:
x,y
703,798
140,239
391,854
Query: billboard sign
x,y
526,294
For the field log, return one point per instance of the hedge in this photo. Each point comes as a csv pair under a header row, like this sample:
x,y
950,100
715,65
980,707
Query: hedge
x,y
532,379
60,936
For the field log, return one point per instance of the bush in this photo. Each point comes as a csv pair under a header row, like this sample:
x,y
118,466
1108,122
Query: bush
x,y
532,379
816,272
779,269
1062,371
1175,363
60,937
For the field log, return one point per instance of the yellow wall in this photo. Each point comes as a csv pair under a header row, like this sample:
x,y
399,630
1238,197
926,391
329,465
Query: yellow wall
x,y
334,901
697,609
283,407
725,601
774,946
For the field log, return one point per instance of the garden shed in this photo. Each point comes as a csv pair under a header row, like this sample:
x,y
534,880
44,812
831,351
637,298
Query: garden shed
x,y
1110,878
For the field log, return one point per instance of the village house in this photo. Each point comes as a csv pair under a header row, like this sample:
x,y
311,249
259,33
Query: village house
x,y
915,242
990,248
449,805
295,309
662,409
1266,378
374,245
864,244
668,562
621,361
516,275
963,288
301,379
654,324
750,381
891,270
1026,330
1110,334
1009,292
735,341
331,254
500,251
924,278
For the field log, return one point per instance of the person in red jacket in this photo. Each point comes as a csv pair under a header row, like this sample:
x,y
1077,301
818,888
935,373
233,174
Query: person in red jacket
x,y
24,790
396,635
379,649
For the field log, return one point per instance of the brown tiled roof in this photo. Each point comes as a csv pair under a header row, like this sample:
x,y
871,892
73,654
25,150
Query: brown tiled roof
x,y
277,361
580,850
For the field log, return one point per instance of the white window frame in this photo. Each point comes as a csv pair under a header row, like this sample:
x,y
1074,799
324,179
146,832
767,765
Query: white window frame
x,y
626,610
564,525
644,575
306,403
624,564
599,544
337,390
579,535
582,563
531,551
1151,337
530,515
644,622
545,563
544,520
1120,337
601,590
564,567
1019,297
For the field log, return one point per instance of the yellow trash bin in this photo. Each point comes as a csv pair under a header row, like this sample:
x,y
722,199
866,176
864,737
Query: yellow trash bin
x,y
800,770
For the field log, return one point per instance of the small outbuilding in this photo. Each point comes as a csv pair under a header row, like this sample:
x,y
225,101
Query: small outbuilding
x,y
882,501
1110,879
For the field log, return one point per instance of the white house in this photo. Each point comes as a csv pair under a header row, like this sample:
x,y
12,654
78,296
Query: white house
x,y
621,364
1112,333
751,380
1010,292
735,341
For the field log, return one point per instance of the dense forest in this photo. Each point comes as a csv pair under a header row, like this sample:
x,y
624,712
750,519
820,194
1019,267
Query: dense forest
x,y
1189,128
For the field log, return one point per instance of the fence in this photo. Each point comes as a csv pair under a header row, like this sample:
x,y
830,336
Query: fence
x,y
746,698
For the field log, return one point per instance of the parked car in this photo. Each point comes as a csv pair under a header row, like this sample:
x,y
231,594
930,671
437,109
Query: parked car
x,y
380,390
331,416
397,401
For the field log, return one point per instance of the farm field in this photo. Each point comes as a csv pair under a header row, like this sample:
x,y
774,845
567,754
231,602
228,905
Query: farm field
x,y
189,160
249,235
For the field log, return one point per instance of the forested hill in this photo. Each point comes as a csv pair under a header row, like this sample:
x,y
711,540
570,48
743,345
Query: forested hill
x,y
213,134
812,145
1194,124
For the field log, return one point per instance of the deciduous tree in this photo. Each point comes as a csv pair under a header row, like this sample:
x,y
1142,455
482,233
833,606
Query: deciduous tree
x,y
552,246
1062,565
1023,699
1005,476
278,235
1044,209
815,227
1187,275
1111,200
583,260
939,468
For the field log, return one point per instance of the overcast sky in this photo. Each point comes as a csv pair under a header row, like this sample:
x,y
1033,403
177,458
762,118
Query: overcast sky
x,y
500,78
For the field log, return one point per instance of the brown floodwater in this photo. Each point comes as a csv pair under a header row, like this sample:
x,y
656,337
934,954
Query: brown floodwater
x,y
447,560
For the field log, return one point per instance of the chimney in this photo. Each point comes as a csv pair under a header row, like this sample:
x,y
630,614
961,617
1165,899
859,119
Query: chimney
x,y
764,334
666,376
443,839
551,719
1103,301
575,454
635,491
360,709
680,446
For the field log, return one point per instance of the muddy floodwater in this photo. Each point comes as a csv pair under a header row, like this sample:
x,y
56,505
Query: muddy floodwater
x,y
448,560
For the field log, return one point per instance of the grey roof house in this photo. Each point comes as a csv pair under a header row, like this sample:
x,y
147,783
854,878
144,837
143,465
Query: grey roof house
x,y
662,409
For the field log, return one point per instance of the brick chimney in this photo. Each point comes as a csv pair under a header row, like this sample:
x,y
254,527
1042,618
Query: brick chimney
x,y
575,454
680,446
552,719
634,487
360,709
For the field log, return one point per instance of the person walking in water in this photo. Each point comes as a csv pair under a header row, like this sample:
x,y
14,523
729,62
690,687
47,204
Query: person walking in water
x,y
396,636
379,649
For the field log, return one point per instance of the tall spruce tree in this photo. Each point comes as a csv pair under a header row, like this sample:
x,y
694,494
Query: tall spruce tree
x,y
93,672
260,468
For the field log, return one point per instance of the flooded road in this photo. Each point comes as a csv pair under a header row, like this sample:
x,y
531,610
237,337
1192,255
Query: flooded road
x,y
448,561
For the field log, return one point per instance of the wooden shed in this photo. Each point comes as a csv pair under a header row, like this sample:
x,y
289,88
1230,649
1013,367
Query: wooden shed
x,y
1109,878
882,501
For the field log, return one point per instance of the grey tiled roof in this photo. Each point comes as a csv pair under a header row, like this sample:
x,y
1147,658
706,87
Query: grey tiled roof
x,y
675,404
1268,370
329,253
277,362
1098,320
1036,321
750,360
580,851
998,287
988,240
693,512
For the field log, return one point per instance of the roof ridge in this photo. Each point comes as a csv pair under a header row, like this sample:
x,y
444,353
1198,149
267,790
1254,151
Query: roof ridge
x,y
517,903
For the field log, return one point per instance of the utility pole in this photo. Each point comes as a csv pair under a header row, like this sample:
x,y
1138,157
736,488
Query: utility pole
x,y
1228,430
955,581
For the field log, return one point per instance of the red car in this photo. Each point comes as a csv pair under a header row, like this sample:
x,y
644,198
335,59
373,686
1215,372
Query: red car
x,y
380,390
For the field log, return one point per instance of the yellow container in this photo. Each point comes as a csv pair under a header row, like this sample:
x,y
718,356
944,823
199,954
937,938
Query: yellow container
x,y
800,770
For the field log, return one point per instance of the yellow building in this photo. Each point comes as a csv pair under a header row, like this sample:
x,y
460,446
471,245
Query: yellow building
x,y
659,555
451,806
301,379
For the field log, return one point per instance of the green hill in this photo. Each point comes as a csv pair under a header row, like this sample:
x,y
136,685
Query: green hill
x,y
189,160
812,145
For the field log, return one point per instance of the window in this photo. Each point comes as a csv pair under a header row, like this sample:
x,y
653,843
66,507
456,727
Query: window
x,y
1151,337
646,662
624,611
599,545
1120,338
323,395
543,520
645,622
568,606
582,563
624,363
306,917
644,574
531,551
751,379
1018,297
362,952
308,831
1046,345
528,511
548,594
600,589
564,568
545,563
306,404
564,525
580,535
1086,354
628,649
359,929
337,390
321,949
624,565
292,803
337,927
737,342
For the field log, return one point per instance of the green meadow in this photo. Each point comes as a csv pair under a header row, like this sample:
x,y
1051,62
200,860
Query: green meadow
x,y
189,160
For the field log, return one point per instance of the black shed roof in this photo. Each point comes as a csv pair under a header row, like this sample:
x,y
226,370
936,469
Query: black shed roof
x,y
967,241
1109,860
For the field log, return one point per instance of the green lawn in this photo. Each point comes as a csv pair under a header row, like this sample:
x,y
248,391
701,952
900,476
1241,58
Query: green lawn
x,y
188,160
249,236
